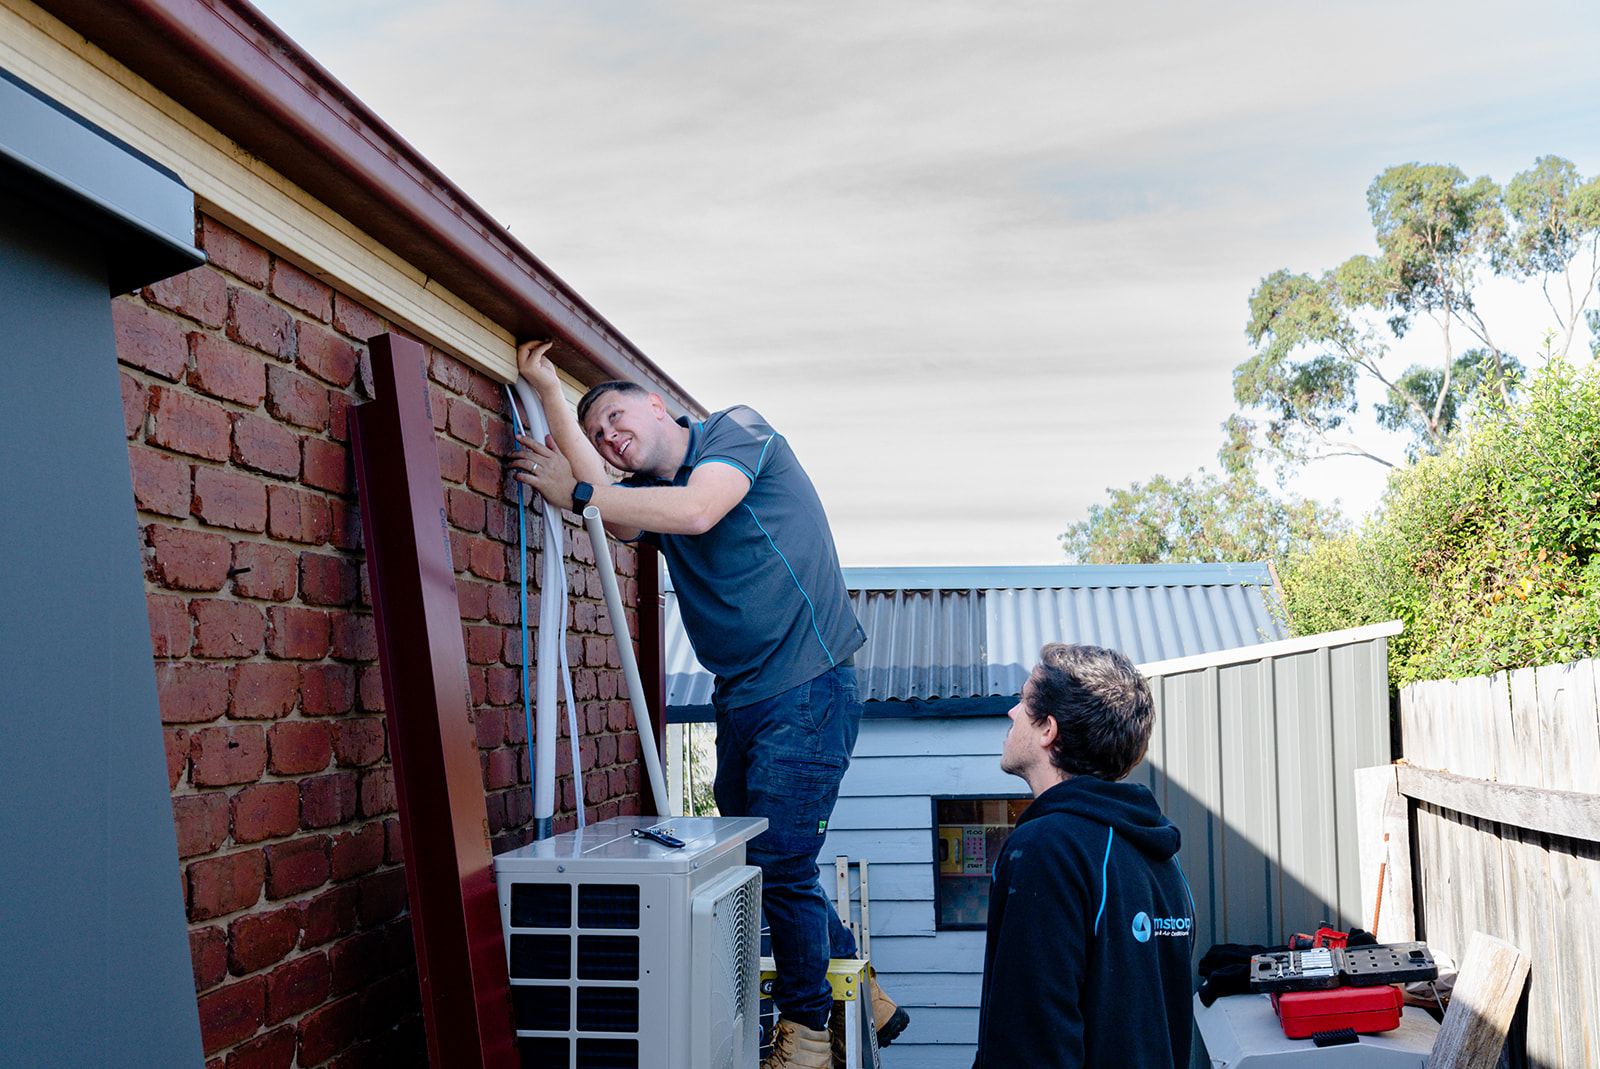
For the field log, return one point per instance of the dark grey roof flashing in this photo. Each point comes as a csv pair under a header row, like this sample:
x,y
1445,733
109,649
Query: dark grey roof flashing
x,y
71,167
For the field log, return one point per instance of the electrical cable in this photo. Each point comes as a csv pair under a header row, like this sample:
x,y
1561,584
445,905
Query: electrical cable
x,y
522,573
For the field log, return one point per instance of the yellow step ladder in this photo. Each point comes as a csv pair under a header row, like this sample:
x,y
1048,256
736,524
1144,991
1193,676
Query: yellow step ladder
x,y
847,976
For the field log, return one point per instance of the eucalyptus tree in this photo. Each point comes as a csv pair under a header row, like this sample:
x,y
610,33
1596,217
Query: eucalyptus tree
x,y
1556,216
1439,235
1200,519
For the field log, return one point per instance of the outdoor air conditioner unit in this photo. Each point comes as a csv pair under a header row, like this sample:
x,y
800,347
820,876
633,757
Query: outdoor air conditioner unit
x,y
628,953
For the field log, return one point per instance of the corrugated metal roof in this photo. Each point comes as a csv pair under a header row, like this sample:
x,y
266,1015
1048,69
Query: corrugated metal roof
x,y
920,643
973,632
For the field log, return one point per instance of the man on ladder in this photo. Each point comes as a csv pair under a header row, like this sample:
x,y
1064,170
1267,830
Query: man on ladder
x,y
766,608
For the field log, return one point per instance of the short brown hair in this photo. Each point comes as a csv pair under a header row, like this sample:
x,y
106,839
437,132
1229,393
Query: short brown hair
x,y
587,401
1101,705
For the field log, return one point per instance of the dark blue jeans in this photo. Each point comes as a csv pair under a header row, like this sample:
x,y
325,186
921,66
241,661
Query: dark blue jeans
x,y
782,759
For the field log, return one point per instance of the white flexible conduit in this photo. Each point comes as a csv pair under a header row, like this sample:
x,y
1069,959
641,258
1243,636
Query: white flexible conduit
x,y
552,644
630,664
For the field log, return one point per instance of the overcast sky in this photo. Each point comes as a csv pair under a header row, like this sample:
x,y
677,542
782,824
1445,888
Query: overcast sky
x,y
978,261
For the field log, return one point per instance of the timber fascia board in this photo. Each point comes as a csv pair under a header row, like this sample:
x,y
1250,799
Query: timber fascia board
x,y
227,64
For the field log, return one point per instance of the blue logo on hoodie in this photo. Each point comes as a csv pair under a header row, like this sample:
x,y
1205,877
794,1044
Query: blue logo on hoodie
x,y
1144,926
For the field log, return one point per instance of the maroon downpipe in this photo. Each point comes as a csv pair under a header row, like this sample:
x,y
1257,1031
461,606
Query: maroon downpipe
x,y
455,914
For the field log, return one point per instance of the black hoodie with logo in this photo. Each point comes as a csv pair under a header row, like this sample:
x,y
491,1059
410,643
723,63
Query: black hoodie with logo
x,y
1091,934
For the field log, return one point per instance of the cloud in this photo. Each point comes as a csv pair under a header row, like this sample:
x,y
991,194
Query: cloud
x,y
978,261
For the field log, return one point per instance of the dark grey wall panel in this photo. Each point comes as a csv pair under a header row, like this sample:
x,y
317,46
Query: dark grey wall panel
x,y
96,966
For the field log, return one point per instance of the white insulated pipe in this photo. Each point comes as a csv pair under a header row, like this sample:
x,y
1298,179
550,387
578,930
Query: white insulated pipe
x,y
630,663
552,633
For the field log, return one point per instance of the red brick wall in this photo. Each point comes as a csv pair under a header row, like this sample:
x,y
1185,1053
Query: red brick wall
x,y
238,379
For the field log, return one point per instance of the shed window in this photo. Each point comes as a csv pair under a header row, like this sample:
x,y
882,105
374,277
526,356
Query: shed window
x,y
968,833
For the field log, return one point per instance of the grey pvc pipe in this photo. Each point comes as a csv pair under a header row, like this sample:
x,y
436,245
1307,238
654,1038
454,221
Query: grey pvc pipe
x,y
630,663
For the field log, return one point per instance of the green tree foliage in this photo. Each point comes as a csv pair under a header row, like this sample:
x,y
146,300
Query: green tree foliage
x,y
1489,552
1439,234
701,770
1555,215
1474,370
1203,518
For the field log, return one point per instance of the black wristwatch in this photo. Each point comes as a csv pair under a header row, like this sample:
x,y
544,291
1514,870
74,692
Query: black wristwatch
x,y
580,497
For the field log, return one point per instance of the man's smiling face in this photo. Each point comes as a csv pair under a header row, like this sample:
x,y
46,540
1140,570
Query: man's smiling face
x,y
626,429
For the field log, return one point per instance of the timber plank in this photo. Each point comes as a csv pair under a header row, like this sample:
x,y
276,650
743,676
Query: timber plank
x,y
1435,881
907,812
1487,989
1475,703
1471,721
1420,748
976,736
1498,732
1458,878
1466,759
1563,983
1448,729
1410,742
1568,813
1570,762
1499,727
1583,961
910,954
1381,811
1528,740
1543,1048
1538,937
1572,759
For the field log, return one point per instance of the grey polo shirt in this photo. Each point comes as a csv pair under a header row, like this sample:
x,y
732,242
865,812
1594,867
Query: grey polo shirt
x,y
761,593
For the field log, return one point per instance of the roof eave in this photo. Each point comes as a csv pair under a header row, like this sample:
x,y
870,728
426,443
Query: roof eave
x,y
227,63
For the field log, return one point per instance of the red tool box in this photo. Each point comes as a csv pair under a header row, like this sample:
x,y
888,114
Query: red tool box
x,y
1360,1009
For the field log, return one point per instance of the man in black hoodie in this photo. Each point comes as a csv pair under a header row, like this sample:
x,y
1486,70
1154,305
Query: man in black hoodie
x,y
1091,925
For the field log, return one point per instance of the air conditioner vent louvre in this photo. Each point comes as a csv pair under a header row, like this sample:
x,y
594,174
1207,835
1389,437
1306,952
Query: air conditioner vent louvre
x,y
541,905
541,1008
605,905
541,957
608,1009
608,957
608,1053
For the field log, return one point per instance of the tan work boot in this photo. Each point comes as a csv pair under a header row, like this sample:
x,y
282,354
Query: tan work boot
x,y
794,1046
889,1020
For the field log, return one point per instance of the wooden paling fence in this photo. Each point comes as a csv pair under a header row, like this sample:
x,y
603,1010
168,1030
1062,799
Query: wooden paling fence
x,y
1505,774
